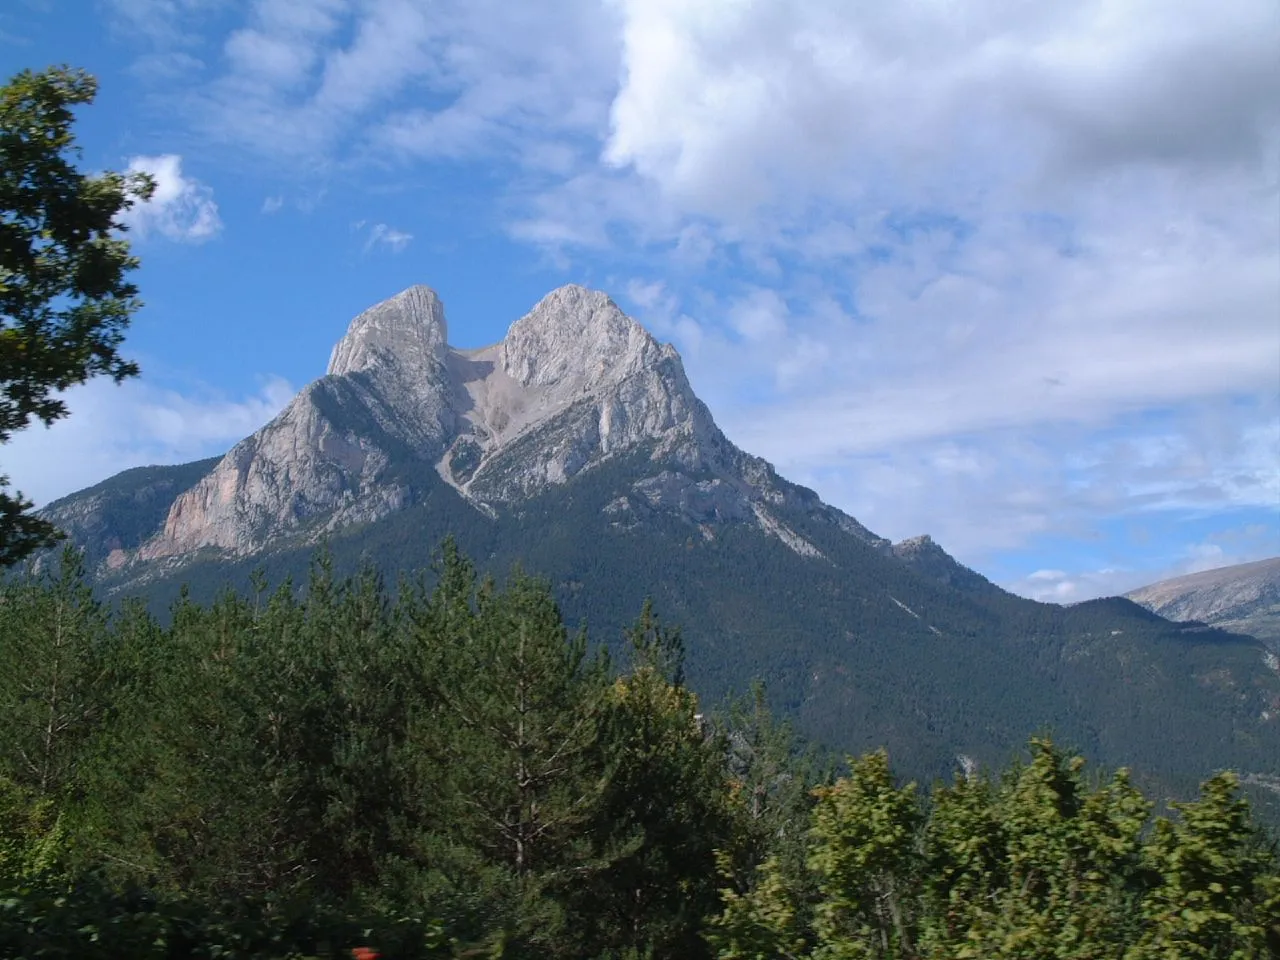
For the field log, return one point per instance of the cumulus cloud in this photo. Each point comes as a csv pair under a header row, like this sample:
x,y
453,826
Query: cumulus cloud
x,y
181,209
991,270
111,428
730,106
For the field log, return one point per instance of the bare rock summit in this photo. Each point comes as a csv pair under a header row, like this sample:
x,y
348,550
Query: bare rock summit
x,y
574,384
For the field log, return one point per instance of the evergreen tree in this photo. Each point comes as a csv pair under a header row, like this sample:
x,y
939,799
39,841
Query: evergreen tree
x,y
761,923
864,854
664,810
1216,891
517,735
52,635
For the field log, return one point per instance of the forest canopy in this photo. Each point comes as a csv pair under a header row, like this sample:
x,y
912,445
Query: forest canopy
x,y
447,770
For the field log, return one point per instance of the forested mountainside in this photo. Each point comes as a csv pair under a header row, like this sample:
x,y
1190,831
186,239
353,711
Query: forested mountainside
x,y
111,519
577,448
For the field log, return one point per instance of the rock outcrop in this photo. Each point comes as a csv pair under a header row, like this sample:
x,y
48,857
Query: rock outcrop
x,y
341,452
574,383
924,556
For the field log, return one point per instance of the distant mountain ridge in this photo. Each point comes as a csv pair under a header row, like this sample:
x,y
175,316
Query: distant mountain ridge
x,y
1244,598
577,447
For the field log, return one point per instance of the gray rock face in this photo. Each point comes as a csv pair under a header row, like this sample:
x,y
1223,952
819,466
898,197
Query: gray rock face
x,y
405,335
397,355
337,454
573,384
576,340
309,467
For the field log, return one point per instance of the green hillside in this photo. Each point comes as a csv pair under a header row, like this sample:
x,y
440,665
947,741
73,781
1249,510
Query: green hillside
x,y
859,647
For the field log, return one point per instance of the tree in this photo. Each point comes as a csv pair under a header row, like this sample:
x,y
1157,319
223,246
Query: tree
x,y
665,809
1040,865
864,831
64,299
513,724
52,634
1217,892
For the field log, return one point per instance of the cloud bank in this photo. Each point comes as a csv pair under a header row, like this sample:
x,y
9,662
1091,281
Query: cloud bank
x,y
999,271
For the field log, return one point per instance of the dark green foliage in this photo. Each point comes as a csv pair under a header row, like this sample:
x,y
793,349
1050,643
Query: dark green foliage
x,y
452,754
453,773
1215,887
64,299
971,672
93,920
1036,864
54,647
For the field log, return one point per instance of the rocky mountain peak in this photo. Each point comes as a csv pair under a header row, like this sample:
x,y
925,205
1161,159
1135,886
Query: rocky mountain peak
x,y
924,556
1244,599
575,339
574,384
406,333
915,545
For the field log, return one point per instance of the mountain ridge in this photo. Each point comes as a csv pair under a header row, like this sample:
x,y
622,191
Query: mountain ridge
x,y
1243,598
577,448
574,382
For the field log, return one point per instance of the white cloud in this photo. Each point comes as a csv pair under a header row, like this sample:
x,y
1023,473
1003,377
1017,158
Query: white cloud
x,y
993,270
272,205
319,81
731,106
164,24
181,209
760,315
111,428
380,236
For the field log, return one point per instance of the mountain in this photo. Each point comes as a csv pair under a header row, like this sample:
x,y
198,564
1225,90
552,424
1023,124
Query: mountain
x,y
577,448
110,520
1243,599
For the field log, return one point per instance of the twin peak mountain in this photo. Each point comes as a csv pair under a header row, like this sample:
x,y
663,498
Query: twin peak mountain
x,y
577,448
575,384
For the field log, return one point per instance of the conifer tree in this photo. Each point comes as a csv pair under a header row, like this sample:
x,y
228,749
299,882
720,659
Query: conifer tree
x,y
665,808
1217,888
864,854
518,737
52,635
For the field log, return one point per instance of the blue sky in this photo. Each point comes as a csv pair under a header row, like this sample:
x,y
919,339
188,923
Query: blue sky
x,y
1006,273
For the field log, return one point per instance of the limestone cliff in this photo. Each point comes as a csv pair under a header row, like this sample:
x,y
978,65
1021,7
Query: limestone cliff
x,y
574,383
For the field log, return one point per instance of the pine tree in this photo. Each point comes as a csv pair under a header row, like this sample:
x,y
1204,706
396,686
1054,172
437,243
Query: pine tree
x,y
51,691
1217,888
664,811
865,856
517,736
